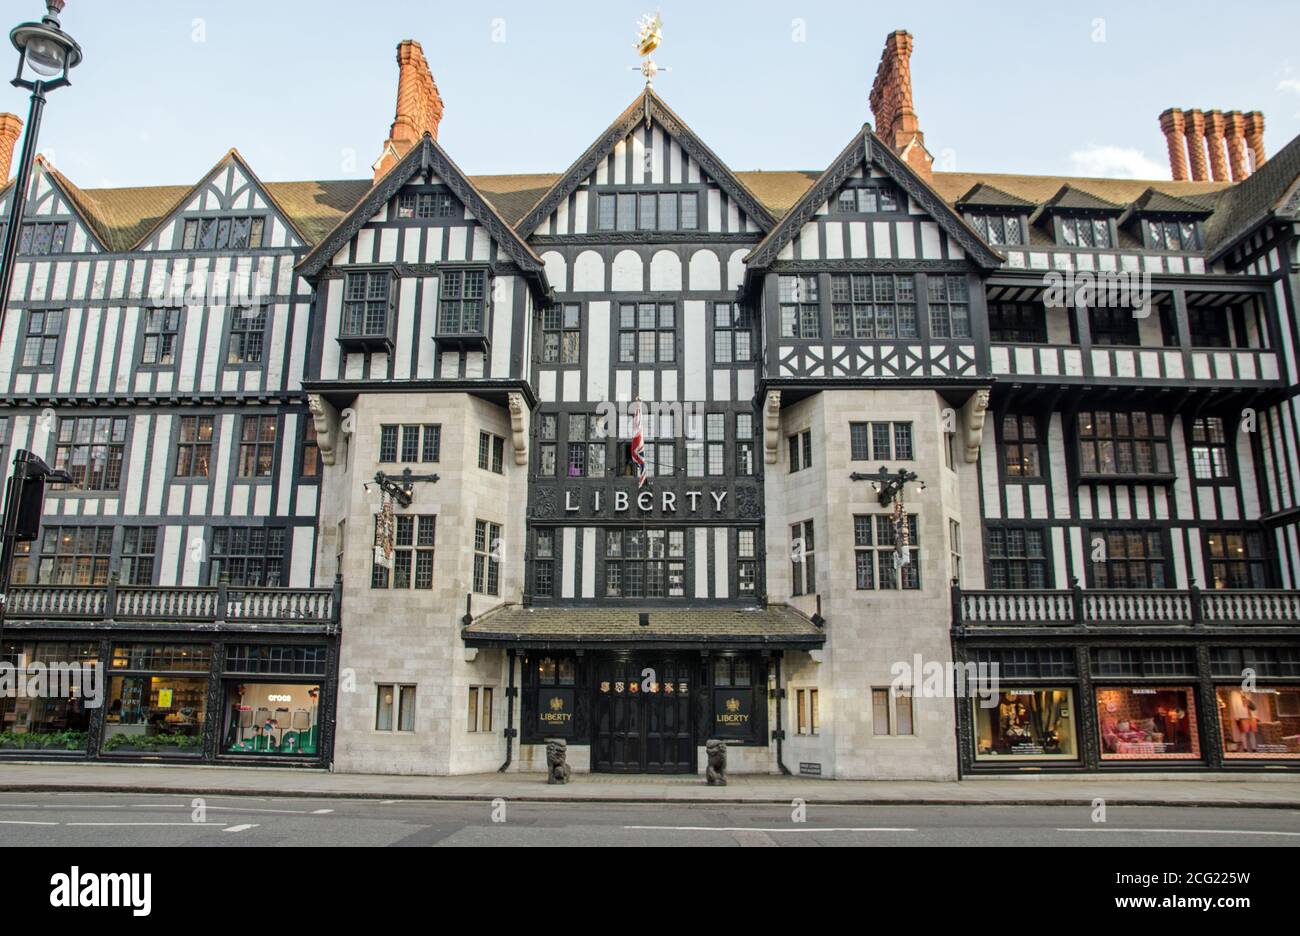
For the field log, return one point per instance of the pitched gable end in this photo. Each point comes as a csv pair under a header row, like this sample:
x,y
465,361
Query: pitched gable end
x,y
54,201
230,188
866,150
647,107
427,160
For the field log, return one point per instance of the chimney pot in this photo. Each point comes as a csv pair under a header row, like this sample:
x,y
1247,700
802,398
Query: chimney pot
x,y
1255,138
10,129
419,106
891,103
1214,125
1196,144
1174,128
1235,131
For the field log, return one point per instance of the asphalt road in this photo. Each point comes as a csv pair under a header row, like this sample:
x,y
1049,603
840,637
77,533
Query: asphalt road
x,y
102,819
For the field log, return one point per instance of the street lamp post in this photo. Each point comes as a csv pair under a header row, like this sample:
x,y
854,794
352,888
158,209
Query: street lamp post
x,y
49,54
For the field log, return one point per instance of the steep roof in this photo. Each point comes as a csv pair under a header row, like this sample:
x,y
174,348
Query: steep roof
x,y
1252,200
983,195
1069,198
120,216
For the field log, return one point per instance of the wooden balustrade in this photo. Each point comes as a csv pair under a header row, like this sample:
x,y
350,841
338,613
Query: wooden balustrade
x,y
215,605
1119,608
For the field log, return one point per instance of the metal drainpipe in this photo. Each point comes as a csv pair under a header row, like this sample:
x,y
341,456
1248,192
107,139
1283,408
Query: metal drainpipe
x,y
510,709
780,725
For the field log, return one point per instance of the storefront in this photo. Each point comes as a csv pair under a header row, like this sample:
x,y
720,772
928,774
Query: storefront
x,y
42,709
182,698
1133,706
157,700
1026,725
644,690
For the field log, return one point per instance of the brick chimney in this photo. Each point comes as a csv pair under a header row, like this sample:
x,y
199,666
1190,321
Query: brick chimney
x,y
1196,145
1214,125
891,103
419,106
1175,129
1235,128
1255,138
10,129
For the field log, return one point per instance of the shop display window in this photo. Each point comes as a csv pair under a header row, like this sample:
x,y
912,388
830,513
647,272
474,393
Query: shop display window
x,y
1148,723
59,720
155,715
1026,724
1263,723
271,718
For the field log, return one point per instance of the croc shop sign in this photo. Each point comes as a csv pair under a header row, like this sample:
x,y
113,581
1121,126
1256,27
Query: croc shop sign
x,y
666,502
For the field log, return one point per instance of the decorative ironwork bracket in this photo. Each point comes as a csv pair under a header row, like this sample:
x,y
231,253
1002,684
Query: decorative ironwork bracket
x,y
887,486
401,487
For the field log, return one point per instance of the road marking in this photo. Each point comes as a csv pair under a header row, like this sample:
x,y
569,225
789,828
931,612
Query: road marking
x,y
669,828
24,822
217,824
241,828
1189,831
321,812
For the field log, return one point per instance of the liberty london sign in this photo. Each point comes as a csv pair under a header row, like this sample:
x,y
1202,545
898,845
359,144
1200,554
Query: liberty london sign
x,y
667,502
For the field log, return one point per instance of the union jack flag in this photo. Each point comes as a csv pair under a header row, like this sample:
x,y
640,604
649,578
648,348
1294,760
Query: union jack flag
x,y
638,444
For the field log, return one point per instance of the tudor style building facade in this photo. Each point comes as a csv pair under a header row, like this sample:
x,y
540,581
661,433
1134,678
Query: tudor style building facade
x,y
353,484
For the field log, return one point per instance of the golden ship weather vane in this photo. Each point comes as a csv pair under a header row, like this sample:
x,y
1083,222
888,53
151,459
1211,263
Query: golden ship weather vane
x,y
649,36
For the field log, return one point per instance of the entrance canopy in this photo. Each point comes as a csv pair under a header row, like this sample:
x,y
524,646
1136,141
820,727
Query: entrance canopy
x,y
774,627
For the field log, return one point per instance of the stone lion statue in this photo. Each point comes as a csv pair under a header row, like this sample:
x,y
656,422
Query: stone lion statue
x,y
557,771
716,772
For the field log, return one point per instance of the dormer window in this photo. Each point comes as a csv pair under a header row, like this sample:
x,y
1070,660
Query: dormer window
x,y
1171,235
998,229
367,311
223,233
874,198
1085,232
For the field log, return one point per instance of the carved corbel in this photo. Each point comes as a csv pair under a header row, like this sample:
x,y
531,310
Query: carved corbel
x,y
326,418
519,418
972,420
771,426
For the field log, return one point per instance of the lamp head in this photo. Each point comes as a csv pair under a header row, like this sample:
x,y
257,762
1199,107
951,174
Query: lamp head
x,y
45,48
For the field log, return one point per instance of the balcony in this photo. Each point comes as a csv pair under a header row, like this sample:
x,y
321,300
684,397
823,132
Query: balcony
x,y
220,608
1104,609
1195,367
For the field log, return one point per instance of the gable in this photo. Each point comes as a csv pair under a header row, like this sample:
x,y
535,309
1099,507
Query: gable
x,y
923,226
375,232
52,207
648,145
229,209
424,221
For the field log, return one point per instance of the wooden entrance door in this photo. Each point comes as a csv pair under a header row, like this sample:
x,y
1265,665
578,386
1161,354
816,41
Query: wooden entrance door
x,y
643,718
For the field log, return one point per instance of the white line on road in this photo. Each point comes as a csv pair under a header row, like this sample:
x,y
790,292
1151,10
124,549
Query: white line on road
x,y
24,822
669,828
321,812
1189,831
216,824
241,828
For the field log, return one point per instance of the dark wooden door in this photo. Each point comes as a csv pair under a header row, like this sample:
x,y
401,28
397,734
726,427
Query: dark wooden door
x,y
643,715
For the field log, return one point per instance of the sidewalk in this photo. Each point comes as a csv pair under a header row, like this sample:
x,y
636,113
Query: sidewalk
x,y
1247,790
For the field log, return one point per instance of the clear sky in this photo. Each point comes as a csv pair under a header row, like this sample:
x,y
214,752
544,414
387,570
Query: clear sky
x,y
306,90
